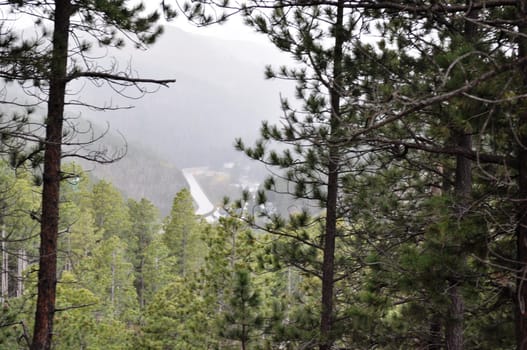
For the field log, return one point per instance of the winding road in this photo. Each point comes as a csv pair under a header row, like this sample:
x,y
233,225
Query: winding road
x,y
205,206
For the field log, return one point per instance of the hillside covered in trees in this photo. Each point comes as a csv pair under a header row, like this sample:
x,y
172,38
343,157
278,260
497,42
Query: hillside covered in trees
x,y
405,145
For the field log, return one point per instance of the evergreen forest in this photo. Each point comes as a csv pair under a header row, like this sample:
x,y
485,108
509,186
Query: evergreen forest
x,y
404,149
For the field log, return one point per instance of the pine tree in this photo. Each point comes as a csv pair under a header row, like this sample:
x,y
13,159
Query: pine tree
x,y
318,152
241,316
108,273
52,67
178,318
110,211
181,234
144,227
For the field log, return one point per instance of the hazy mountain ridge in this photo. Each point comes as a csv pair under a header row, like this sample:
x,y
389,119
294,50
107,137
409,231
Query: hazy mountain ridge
x,y
142,174
220,94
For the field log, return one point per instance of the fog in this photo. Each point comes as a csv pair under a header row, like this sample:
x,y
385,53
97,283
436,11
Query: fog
x,y
220,94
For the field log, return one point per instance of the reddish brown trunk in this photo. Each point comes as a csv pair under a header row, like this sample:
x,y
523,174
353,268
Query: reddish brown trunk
x,y
47,274
326,317
328,264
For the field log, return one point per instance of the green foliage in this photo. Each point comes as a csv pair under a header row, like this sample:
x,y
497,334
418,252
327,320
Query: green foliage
x,y
178,318
181,234
158,268
80,325
78,232
242,317
109,275
15,320
110,210
144,227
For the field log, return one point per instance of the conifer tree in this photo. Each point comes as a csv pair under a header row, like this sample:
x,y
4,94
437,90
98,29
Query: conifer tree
x,y
181,233
241,317
421,96
110,212
318,151
178,318
54,62
144,227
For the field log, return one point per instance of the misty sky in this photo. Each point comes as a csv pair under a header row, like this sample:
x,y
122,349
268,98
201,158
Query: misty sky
x,y
220,94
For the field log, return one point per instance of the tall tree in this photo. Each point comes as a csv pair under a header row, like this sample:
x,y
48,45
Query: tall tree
x,y
110,212
178,318
144,226
181,233
318,151
52,68
78,232
242,317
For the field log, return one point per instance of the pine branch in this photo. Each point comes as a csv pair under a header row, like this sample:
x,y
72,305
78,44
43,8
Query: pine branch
x,y
436,7
472,155
73,307
420,104
118,78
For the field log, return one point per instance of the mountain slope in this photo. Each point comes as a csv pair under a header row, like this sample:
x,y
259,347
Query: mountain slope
x,y
220,94
142,174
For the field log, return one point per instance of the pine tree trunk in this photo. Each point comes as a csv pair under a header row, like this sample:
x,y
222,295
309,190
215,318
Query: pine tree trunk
x,y
112,287
5,266
462,191
328,268
141,291
244,338
21,267
328,263
521,234
47,274
435,341
454,325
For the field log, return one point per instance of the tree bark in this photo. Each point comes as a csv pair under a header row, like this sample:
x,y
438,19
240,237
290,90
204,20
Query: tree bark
x,y
328,264
47,274
454,325
434,341
21,267
328,268
5,265
462,190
